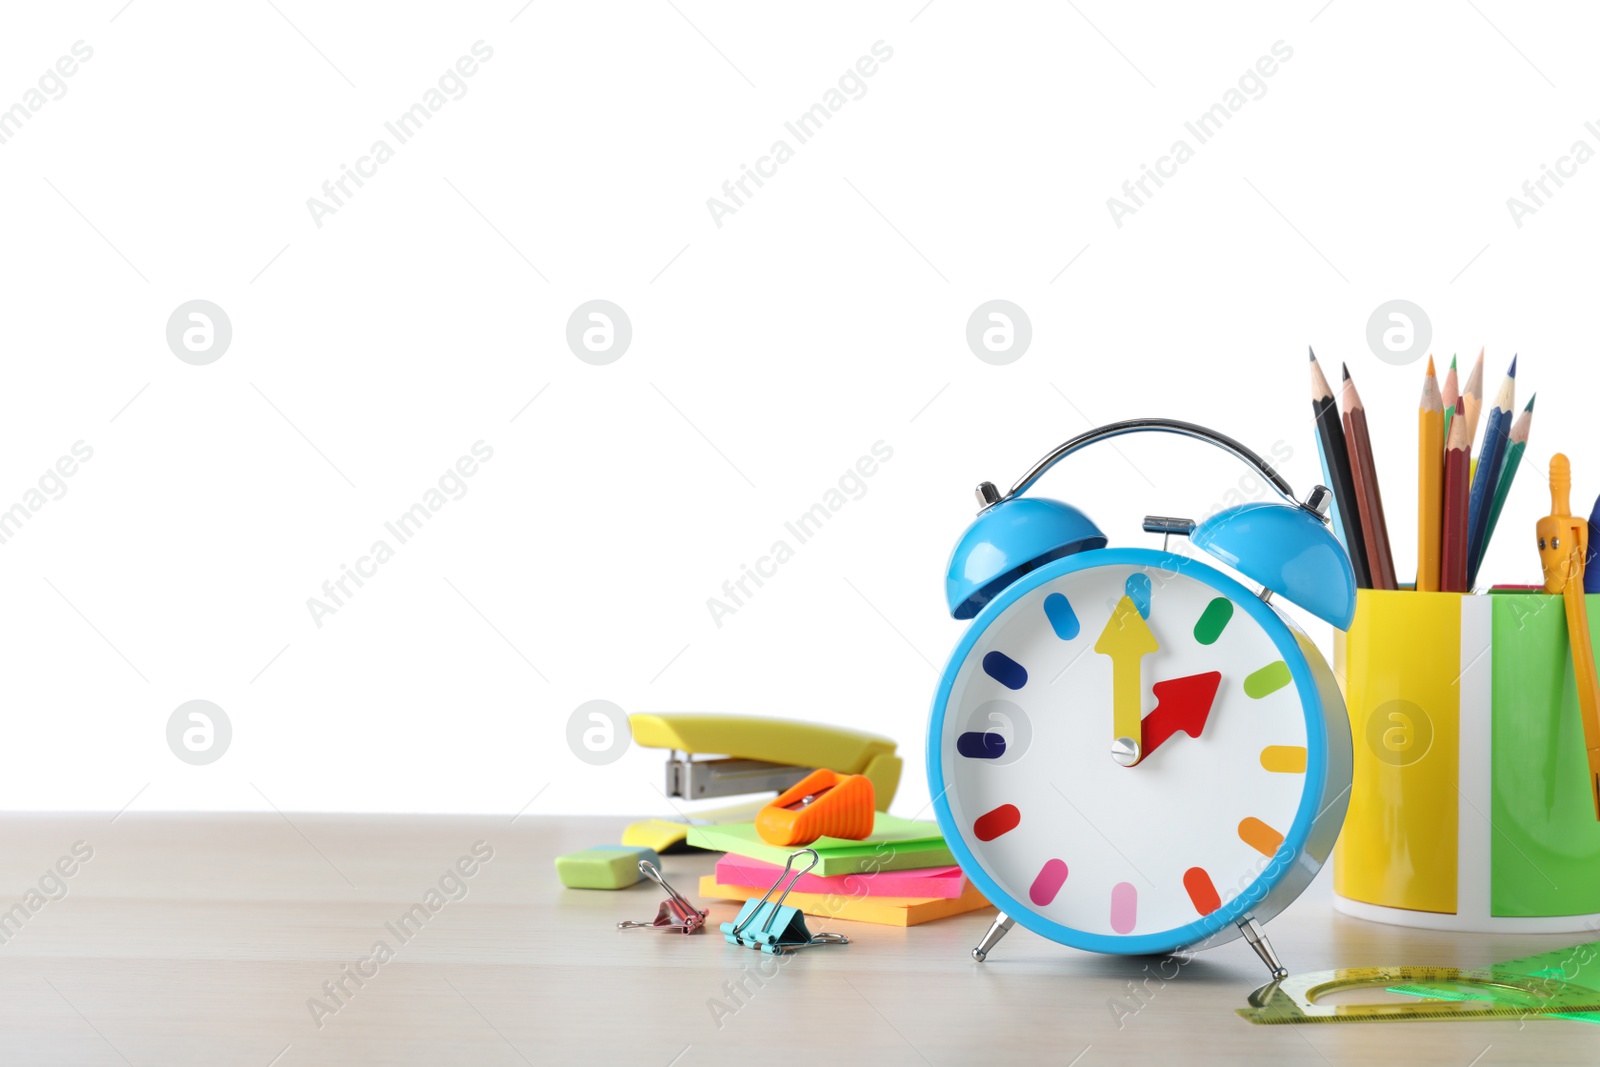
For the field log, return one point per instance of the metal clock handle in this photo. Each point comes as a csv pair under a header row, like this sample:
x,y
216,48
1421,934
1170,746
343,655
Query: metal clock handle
x,y
988,494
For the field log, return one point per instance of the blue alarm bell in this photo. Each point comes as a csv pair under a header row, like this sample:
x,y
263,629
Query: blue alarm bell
x,y
1130,750
1286,547
1009,539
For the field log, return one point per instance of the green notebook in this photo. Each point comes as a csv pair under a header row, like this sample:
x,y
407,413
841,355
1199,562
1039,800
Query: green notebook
x,y
896,844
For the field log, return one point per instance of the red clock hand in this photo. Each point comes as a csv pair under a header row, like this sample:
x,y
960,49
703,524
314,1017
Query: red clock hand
x,y
1181,704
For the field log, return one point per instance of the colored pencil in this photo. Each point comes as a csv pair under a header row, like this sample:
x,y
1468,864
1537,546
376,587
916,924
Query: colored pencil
x,y
1453,534
1591,566
1508,472
1335,520
1452,396
1364,470
1430,482
1330,433
1491,459
1472,401
1472,398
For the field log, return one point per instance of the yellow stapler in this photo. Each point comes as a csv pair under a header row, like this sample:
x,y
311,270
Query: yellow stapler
x,y
751,754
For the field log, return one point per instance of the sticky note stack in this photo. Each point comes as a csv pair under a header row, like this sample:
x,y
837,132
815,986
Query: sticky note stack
x,y
901,875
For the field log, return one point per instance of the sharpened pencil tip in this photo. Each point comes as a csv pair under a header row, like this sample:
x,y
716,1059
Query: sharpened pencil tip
x,y
1531,399
1430,366
1345,369
1313,352
1452,361
1512,373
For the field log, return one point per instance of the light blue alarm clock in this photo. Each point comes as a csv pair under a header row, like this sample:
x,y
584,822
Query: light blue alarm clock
x,y
1130,750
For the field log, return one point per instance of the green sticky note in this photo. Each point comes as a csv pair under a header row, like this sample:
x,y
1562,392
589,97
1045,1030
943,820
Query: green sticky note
x,y
895,844
603,867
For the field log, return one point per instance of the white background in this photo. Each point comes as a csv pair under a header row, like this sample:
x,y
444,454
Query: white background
x,y
768,354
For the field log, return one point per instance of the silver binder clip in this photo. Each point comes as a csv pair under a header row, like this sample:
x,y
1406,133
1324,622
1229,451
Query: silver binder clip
x,y
675,913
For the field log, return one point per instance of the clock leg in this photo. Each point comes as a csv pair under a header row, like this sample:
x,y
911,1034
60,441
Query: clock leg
x,y
1258,941
999,928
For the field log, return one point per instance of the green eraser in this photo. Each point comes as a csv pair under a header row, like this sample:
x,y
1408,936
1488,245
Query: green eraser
x,y
604,866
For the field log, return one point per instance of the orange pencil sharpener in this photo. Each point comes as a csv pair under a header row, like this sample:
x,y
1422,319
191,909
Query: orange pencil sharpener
x,y
822,804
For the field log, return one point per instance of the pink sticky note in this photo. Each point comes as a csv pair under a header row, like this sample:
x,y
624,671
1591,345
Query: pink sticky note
x,y
942,882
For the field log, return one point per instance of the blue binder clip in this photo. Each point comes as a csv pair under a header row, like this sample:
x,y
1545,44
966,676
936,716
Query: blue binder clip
x,y
772,927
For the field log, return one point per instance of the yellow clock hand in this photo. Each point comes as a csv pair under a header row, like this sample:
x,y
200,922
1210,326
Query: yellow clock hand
x,y
1126,639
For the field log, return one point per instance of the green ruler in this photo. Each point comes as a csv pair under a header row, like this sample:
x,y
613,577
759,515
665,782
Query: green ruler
x,y
1449,992
1560,966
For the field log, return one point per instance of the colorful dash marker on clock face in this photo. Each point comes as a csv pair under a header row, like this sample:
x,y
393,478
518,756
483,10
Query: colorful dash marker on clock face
x,y
1124,907
1259,836
1202,893
1269,679
1052,876
991,824
981,744
1063,620
1213,620
1138,589
1284,759
1005,670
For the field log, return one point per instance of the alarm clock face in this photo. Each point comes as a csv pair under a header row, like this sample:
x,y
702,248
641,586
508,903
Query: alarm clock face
x,y
1093,853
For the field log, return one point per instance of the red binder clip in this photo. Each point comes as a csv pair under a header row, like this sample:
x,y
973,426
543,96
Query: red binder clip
x,y
675,913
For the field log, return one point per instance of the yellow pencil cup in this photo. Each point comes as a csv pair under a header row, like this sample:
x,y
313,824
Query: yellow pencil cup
x,y
1470,807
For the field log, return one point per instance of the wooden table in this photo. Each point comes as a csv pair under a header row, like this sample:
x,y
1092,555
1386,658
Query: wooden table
x,y
201,939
